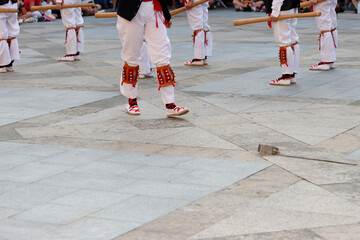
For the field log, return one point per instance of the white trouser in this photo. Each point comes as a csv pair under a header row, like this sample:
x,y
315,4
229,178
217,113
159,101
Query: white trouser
x,y
285,35
36,15
144,66
327,22
132,34
9,28
198,19
71,18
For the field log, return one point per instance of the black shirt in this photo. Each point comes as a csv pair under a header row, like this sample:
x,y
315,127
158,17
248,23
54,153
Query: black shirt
x,y
287,5
128,8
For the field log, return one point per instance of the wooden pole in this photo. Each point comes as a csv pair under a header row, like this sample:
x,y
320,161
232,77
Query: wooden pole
x,y
265,19
182,9
44,8
106,15
8,10
172,13
305,4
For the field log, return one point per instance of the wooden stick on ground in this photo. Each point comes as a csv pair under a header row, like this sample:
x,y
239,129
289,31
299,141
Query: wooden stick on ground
x,y
305,4
44,8
8,10
172,13
265,19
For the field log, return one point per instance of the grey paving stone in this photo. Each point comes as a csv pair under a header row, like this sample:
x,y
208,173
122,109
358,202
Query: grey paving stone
x,y
91,228
167,189
83,181
23,230
156,173
8,186
141,209
11,160
54,214
76,157
55,100
32,172
354,156
105,169
31,195
88,198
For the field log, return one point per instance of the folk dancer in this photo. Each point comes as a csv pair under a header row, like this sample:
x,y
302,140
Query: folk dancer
x,y
9,30
147,18
202,38
328,38
286,37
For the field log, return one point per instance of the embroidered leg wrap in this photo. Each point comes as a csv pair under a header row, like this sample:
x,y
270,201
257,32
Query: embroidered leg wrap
x,y
165,76
195,33
130,74
282,55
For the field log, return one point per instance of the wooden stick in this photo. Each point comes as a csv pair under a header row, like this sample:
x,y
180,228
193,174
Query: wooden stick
x,y
8,10
172,13
305,4
182,9
44,8
106,15
265,19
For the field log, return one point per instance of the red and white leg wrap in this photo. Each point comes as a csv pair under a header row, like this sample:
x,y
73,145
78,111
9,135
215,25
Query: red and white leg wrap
x,y
129,75
166,76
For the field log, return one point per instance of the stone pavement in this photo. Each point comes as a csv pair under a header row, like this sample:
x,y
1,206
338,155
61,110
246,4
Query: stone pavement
x,y
75,166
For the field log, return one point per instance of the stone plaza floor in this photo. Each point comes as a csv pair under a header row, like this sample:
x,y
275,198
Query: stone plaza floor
x,y
75,166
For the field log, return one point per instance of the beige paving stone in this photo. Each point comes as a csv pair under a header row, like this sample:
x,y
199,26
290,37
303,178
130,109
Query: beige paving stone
x,y
343,232
318,172
281,235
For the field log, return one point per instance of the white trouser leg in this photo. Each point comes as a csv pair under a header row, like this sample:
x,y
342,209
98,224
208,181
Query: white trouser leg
x,y
327,48
208,35
283,33
325,22
80,40
296,58
79,22
195,18
71,42
168,94
144,67
14,50
36,14
199,45
208,44
131,36
5,57
296,47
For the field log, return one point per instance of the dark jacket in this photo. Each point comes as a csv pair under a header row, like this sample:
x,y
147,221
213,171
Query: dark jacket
x,y
128,8
2,2
287,5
